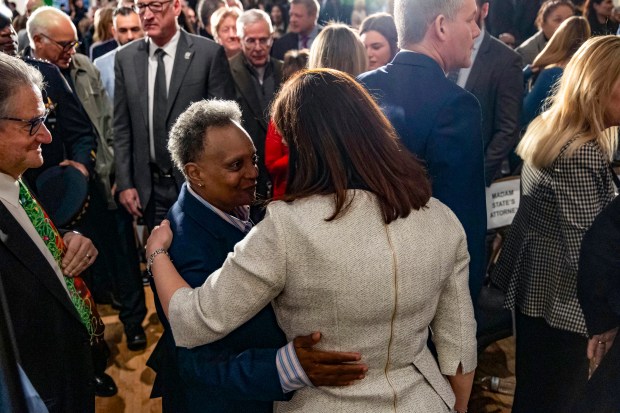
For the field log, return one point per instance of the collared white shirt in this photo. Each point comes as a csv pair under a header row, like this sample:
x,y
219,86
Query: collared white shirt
x,y
9,195
171,50
241,221
464,73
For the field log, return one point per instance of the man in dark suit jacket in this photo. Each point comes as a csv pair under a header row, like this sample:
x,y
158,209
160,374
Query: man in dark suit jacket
x,y
98,50
238,373
257,78
496,80
302,27
72,133
598,289
195,68
437,120
53,342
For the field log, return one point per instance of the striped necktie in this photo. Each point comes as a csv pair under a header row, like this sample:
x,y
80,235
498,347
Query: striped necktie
x,y
78,291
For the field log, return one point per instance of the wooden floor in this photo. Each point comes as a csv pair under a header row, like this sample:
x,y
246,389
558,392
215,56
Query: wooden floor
x,y
134,379
128,368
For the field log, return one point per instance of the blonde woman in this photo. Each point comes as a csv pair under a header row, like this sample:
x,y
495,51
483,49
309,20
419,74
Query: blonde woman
x,y
566,182
548,66
224,29
338,47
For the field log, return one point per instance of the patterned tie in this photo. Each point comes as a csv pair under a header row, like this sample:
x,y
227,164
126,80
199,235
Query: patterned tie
x,y
78,291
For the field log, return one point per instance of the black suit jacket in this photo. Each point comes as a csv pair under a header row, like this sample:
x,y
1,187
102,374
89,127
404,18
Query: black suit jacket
x,y
53,343
255,120
496,80
99,49
73,136
598,287
200,72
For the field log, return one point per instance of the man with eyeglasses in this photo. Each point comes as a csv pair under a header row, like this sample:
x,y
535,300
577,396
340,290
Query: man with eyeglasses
x,y
110,230
38,263
257,77
155,81
74,141
126,27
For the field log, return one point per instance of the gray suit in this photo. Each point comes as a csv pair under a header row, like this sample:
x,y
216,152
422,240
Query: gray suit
x,y
200,72
496,80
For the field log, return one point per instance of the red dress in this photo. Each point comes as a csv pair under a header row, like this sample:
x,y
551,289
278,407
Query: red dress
x,y
276,160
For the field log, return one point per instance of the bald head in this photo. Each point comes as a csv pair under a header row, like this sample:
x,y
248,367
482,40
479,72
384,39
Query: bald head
x,y
52,35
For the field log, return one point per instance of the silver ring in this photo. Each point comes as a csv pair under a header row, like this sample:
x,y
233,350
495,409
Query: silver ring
x,y
601,342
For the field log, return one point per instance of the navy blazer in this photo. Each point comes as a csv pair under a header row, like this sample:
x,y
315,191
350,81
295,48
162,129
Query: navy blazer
x,y
237,373
440,123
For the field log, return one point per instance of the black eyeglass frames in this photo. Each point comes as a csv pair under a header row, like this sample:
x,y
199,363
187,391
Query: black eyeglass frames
x,y
154,6
35,123
66,46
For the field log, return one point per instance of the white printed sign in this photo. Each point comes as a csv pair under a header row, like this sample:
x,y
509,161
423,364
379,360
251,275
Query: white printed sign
x,y
503,201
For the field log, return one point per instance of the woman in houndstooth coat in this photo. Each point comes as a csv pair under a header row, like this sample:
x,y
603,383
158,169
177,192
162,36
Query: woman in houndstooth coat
x,y
566,182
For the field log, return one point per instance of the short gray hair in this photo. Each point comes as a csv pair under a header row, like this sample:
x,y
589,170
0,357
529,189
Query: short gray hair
x,y
41,20
413,17
15,74
250,17
189,133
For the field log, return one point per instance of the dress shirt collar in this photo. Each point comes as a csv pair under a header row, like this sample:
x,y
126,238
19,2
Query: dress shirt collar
x,y
240,219
9,189
170,48
478,40
313,34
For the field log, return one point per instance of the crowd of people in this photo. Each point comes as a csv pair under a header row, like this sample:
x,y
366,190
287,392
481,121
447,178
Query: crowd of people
x,y
312,176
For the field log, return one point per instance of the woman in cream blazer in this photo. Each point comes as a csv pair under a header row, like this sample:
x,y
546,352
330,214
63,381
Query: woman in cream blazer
x,y
357,249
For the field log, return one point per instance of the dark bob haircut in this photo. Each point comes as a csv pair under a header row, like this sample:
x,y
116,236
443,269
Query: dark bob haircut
x,y
339,139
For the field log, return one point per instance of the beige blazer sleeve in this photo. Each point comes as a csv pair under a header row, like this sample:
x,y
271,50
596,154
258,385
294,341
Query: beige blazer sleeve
x,y
454,326
255,274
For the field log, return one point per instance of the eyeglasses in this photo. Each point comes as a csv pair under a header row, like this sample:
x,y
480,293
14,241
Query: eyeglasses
x,y
66,46
263,41
154,6
35,123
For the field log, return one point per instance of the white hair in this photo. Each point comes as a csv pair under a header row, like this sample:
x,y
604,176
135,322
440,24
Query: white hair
x,y
42,19
250,17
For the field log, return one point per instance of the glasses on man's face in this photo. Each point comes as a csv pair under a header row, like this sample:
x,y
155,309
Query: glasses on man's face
x,y
154,6
35,123
66,46
262,41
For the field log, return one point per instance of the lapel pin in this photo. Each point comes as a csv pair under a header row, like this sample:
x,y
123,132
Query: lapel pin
x,y
188,55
